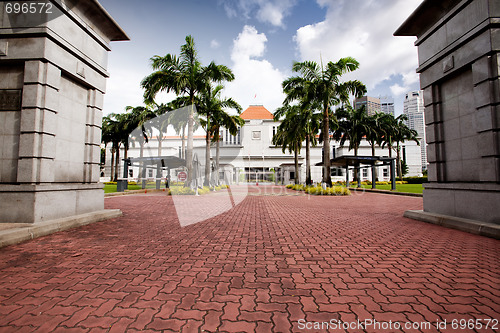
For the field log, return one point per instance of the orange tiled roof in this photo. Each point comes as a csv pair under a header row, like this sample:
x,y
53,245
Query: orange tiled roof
x,y
256,112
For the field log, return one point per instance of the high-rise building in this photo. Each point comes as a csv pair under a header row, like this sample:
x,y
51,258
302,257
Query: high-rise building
x,y
387,104
372,104
414,110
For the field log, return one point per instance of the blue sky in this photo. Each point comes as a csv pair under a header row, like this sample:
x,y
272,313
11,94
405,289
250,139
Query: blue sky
x,y
259,40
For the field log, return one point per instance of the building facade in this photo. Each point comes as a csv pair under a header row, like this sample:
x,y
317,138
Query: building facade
x,y
414,110
372,104
250,156
387,104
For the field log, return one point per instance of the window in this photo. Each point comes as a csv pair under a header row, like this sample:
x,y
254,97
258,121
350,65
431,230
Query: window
x,y
150,173
131,173
336,172
386,172
256,135
365,173
292,175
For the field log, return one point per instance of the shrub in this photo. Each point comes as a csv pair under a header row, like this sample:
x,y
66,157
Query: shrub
x,y
416,180
110,183
289,186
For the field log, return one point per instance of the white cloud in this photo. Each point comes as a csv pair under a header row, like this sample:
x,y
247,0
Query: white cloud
x,y
257,81
397,90
272,12
123,87
363,30
409,79
214,44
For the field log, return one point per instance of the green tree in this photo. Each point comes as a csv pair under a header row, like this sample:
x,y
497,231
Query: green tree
x,y
186,76
353,125
395,132
138,127
403,133
322,85
111,134
290,135
296,89
211,106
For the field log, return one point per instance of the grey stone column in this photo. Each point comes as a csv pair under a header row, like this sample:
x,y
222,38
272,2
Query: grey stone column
x,y
459,56
52,81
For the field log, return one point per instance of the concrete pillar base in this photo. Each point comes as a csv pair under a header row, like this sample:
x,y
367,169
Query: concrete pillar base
x,y
472,226
27,203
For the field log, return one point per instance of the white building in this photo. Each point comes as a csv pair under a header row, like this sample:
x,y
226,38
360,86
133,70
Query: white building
x,y
250,156
414,109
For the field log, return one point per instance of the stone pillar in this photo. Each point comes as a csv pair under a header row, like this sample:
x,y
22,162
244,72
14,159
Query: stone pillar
x,y
459,65
52,81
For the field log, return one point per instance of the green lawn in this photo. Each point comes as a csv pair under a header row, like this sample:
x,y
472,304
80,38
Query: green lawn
x,y
407,188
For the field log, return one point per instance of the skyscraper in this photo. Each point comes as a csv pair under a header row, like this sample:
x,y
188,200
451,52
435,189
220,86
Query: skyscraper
x,y
414,110
387,104
372,104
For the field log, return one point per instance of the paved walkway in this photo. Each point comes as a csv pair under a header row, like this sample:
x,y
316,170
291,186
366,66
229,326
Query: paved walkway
x,y
274,263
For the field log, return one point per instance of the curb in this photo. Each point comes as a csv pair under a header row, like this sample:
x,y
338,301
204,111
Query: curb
x,y
471,226
23,233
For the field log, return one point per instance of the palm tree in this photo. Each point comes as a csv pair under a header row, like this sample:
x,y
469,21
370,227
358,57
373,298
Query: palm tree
x,y
210,104
375,135
186,76
110,134
403,133
138,119
353,125
161,123
323,86
296,90
388,127
289,135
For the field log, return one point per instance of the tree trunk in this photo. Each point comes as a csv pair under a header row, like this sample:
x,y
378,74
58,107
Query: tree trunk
x,y
296,157
217,156
160,140
398,161
327,178
356,169
189,152
140,176
308,161
207,158
183,144
117,163
112,172
125,153
375,170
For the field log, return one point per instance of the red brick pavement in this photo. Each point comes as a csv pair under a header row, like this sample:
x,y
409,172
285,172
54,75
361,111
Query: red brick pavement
x,y
261,267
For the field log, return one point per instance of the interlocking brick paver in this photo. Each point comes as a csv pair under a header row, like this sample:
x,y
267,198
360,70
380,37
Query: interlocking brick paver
x,y
274,259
